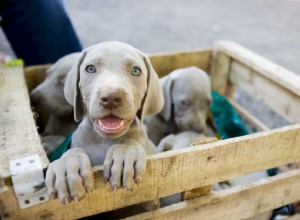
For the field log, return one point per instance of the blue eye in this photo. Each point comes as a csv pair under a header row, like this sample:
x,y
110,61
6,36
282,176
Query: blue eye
x,y
90,69
136,71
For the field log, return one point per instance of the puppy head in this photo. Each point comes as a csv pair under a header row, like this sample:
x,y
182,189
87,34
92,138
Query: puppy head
x,y
187,94
113,83
48,97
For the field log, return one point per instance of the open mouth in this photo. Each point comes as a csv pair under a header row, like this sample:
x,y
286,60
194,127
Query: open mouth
x,y
110,125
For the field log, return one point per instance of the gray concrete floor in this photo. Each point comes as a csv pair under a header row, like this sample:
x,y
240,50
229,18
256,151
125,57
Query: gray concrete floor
x,y
270,28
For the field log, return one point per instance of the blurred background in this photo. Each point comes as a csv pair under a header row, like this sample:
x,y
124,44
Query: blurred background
x,y
270,28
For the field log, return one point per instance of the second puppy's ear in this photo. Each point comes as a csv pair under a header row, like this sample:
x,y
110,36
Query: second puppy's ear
x,y
166,85
72,91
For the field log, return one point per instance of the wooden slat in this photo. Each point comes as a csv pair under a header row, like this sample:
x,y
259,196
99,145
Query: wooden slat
x,y
220,72
177,171
164,63
263,66
247,117
236,203
18,134
283,101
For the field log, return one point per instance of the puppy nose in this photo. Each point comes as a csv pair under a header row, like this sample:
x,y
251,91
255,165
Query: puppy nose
x,y
112,100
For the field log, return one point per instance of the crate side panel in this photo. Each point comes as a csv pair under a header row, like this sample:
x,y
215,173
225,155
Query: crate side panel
x,y
282,100
18,133
177,171
278,74
240,202
167,62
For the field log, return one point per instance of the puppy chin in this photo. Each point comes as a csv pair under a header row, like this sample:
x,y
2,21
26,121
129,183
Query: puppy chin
x,y
190,126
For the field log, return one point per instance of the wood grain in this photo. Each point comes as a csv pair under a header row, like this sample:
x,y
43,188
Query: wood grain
x,y
18,134
177,171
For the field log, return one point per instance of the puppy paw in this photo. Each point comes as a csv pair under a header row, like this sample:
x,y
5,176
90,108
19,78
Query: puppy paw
x,y
125,164
69,177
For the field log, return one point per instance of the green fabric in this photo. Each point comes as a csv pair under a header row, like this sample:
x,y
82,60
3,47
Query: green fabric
x,y
228,122
61,149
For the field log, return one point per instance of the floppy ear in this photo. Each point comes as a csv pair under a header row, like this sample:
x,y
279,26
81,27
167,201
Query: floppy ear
x,y
153,101
72,91
166,85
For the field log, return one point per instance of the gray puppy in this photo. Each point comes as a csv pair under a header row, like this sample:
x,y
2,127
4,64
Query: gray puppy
x,y
48,98
112,88
187,94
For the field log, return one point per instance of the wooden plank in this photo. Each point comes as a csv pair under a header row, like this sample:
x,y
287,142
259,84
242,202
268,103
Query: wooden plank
x,y
235,203
293,217
34,75
220,72
18,134
263,66
164,63
248,117
177,171
282,100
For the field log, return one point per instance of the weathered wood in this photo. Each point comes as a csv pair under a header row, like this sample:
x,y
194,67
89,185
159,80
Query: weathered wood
x,y
177,171
220,71
193,193
34,75
18,134
263,66
236,203
190,194
283,101
164,63
247,117
293,217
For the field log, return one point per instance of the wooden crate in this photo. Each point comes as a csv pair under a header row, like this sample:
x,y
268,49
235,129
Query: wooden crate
x,y
190,170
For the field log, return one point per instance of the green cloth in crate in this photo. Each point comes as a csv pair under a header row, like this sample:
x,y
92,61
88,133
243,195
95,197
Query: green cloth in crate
x,y
61,149
228,122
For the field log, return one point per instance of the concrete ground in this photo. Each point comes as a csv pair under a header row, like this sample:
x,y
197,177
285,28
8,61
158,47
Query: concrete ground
x,y
270,28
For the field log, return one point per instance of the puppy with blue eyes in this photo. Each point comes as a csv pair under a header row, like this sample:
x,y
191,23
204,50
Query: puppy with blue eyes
x,y
112,87
187,95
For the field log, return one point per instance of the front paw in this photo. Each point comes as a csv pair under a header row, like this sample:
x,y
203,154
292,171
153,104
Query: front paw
x,y
125,165
69,177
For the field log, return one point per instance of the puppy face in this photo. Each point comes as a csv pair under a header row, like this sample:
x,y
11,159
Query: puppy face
x,y
113,82
48,97
189,94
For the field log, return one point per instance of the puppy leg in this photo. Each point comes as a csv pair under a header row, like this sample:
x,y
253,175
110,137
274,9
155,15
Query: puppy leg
x,y
127,160
70,176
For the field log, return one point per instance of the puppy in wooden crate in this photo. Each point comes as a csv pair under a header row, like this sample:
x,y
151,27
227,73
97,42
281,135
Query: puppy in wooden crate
x,y
48,100
112,88
187,94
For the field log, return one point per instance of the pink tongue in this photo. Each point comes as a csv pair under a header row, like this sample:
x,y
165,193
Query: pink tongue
x,y
111,121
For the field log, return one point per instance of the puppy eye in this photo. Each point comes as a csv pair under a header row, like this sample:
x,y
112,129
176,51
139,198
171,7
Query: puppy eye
x,y
136,71
184,103
90,69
